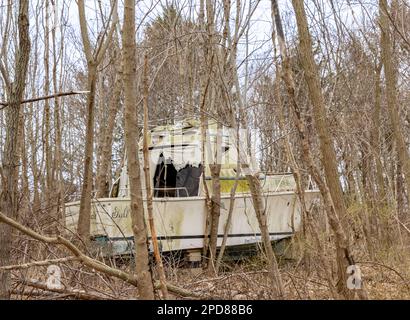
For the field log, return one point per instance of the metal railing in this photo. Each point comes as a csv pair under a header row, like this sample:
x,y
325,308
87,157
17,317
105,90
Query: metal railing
x,y
177,189
287,182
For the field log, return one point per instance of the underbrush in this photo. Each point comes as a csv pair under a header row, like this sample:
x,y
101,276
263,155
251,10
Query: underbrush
x,y
385,269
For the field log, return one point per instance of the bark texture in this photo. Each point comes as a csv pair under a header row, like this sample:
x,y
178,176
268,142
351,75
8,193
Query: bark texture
x,y
142,269
10,165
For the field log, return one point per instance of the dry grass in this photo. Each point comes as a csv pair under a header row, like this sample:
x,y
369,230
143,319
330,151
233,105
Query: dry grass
x,y
386,273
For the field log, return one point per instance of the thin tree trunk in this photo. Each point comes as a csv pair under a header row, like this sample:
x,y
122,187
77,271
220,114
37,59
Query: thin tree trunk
x,y
215,169
145,286
46,118
150,208
344,258
57,168
251,176
228,222
24,164
375,138
214,160
84,217
93,60
319,111
390,74
103,174
258,204
300,190
205,79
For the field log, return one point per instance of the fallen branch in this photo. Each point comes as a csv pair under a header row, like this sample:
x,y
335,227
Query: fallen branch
x,y
38,263
34,293
79,294
90,262
51,96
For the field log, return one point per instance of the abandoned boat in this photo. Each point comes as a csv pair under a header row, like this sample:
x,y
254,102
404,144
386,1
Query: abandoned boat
x,y
179,177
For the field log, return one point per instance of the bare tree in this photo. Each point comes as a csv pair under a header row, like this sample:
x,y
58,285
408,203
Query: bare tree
x,y
344,257
147,176
94,58
250,174
9,170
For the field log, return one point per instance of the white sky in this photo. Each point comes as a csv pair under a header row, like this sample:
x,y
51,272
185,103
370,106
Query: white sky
x,y
260,24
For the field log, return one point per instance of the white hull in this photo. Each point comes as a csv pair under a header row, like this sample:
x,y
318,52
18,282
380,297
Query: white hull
x,y
180,222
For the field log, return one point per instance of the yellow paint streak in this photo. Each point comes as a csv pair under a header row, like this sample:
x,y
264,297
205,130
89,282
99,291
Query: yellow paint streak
x,y
227,185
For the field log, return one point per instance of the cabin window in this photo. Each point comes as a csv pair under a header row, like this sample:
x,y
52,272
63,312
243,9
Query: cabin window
x,y
188,179
168,182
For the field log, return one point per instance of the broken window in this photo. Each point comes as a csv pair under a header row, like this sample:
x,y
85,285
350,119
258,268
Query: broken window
x,y
188,179
164,178
168,182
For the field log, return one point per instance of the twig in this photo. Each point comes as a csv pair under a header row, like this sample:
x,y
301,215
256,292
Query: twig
x,y
402,224
56,95
38,263
32,293
79,294
405,281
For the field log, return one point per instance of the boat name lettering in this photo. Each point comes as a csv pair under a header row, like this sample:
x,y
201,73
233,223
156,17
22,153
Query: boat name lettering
x,y
120,212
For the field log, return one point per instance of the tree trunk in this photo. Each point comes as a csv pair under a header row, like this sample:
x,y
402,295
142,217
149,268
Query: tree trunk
x,y
147,174
375,139
215,170
344,258
328,155
205,79
390,72
213,157
251,176
103,176
145,287
84,217
93,60
8,197
46,117
296,171
57,166
258,203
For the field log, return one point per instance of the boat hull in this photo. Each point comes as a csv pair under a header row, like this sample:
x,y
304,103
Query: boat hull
x,y
180,222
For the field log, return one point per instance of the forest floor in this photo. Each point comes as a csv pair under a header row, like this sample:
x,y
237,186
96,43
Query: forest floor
x,y
301,280
387,276
385,272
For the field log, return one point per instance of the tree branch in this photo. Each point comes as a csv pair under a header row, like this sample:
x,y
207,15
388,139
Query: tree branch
x,y
90,262
79,294
38,263
102,47
52,96
84,31
5,76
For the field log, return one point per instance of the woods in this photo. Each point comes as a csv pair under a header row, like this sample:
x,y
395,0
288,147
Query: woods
x,y
228,149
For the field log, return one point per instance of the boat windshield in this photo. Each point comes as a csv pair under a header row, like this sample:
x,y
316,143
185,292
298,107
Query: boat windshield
x,y
170,182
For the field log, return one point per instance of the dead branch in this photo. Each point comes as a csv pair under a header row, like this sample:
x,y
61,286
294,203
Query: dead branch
x,y
90,262
373,263
28,294
51,96
38,263
79,294
402,224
